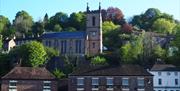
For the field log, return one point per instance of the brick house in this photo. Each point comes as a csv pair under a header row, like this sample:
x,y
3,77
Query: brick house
x,y
29,79
111,78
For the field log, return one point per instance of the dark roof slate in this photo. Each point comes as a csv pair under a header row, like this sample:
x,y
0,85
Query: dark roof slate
x,y
29,73
64,35
164,67
123,70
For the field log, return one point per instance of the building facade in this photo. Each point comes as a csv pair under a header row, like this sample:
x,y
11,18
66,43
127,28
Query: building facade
x,y
88,42
28,79
166,77
121,78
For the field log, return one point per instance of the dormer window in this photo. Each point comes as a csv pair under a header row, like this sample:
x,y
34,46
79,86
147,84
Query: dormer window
x,y
93,21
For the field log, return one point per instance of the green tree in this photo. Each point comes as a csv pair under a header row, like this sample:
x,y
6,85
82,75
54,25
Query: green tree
x,y
30,54
70,29
78,20
163,26
108,26
4,23
23,23
57,28
98,60
159,52
51,53
38,28
59,74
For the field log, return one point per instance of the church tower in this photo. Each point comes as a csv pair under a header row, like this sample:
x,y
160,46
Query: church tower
x,y
94,31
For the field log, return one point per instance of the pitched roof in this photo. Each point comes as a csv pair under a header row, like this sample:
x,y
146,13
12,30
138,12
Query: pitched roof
x,y
164,67
64,35
29,73
123,70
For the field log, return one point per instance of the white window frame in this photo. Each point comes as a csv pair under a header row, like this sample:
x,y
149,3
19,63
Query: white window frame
x,y
138,82
109,78
12,88
125,79
80,78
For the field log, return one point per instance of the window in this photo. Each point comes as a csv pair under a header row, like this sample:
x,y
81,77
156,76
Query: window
x,y
109,83
80,84
159,81
95,83
47,86
176,81
93,33
125,81
175,73
12,85
93,45
78,46
93,21
159,73
63,46
168,73
140,83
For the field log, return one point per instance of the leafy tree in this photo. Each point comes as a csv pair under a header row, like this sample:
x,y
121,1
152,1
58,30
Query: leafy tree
x,y
4,64
59,74
159,52
108,26
51,53
98,60
78,20
10,33
163,26
38,28
1,43
4,23
57,28
30,54
23,23
70,29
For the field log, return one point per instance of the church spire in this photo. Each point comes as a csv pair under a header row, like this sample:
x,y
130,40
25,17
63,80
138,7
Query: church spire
x,y
100,6
87,9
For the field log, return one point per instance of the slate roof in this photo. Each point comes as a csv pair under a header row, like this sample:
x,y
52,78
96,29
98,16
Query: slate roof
x,y
164,67
29,73
123,70
64,35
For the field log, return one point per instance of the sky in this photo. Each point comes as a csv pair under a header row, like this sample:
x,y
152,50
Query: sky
x,y
38,8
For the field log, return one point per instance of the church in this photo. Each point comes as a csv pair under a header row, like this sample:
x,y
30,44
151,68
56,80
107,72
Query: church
x,y
88,42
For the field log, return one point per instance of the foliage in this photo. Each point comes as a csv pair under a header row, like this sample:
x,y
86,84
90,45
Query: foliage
x,y
4,23
130,51
50,52
59,74
57,28
38,28
159,52
70,29
23,23
4,64
98,60
163,26
30,54
78,20
108,26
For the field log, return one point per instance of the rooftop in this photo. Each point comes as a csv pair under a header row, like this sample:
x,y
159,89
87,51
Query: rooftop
x,y
29,73
123,70
64,35
164,67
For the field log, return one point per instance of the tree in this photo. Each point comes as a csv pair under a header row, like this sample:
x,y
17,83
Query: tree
x,y
70,29
10,33
98,60
23,23
78,20
59,74
4,23
38,28
50,52
30,54
108,26
163,26
159,52
57,28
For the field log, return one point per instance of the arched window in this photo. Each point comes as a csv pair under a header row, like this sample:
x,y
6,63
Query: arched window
x,y
93,21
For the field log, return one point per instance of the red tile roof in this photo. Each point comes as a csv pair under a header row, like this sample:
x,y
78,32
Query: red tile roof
x,y
29,73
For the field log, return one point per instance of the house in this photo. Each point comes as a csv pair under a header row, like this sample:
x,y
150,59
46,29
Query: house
x,y
9,44
28,79
166,77
111,78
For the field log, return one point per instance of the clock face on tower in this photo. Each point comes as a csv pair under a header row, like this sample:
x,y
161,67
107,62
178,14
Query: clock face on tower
x,y
93,33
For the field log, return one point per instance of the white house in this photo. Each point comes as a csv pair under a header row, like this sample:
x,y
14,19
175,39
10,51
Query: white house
x,y
166,77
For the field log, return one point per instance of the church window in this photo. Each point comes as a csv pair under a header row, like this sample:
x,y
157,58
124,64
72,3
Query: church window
x,y
93,45
93,21
78,46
